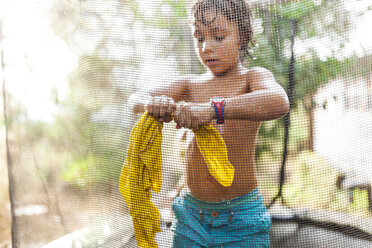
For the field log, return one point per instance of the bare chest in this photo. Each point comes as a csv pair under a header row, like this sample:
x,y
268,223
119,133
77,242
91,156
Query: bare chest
x,y
204,91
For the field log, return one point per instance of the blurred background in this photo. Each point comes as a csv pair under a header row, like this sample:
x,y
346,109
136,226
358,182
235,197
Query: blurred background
x,y
68,68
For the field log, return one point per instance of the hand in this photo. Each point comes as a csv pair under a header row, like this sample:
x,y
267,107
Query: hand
x,y
161,107
192,116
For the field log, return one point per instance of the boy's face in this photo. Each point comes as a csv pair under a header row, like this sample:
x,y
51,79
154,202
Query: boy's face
x,y
218,43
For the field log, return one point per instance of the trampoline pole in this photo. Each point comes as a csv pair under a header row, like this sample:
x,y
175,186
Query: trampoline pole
x,y
8,157
287,120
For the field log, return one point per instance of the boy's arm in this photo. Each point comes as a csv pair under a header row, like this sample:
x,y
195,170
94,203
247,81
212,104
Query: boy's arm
x,y
266,100
159,100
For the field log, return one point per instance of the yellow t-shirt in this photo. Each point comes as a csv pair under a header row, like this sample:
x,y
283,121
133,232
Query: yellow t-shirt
x,y
142,172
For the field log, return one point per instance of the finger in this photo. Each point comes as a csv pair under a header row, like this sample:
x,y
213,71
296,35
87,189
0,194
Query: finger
x,y
176,116
163,106
187,123
189,117
158,106
183,120
150,106
171,106
194,125
180,115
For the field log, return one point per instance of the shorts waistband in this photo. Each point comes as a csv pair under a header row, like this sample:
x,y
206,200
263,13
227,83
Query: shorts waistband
x,y
250,197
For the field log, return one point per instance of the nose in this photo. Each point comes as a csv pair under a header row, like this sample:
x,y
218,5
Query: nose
x,y
207,46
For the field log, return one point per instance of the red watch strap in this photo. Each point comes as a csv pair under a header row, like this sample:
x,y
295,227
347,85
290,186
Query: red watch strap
x,y
219,108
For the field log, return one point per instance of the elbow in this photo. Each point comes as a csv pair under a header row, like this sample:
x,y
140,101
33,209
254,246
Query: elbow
x,y
283,103
284,106
280,106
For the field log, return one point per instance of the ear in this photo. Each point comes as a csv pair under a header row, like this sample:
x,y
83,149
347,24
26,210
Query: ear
x,y
241,43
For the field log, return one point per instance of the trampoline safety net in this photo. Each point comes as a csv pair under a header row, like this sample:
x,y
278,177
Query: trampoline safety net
x,y
186,123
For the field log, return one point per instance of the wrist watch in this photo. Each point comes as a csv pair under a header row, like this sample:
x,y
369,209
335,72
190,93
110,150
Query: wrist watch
x,y
218,103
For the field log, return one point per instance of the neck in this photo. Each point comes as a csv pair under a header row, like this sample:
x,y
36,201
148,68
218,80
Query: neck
x,y
230,72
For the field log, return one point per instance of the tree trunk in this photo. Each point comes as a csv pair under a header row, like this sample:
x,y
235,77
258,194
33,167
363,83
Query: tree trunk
x,y
310,112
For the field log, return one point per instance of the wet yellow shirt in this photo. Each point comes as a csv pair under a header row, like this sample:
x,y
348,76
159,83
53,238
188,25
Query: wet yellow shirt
x,y
142,172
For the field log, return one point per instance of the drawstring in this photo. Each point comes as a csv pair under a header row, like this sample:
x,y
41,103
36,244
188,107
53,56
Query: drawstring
x,y
231,215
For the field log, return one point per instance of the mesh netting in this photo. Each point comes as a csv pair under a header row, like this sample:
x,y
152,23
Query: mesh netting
x,y
75,74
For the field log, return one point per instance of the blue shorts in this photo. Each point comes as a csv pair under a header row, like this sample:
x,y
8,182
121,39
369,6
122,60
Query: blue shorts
x,y
240,222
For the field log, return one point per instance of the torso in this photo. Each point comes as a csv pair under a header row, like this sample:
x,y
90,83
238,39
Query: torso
x,y
239,136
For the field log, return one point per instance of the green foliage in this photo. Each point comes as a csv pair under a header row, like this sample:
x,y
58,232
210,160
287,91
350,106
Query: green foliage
x,y
360,201
270,139
299,129
97,148
294,10
179,7
76,172
311,71
311,182
170,22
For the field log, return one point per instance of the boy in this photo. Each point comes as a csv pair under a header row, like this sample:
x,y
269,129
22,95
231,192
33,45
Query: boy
x,y
209,214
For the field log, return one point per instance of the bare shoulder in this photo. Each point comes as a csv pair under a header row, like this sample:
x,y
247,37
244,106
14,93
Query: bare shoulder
x,y
178,89
259,73
191,79
260,78
199,78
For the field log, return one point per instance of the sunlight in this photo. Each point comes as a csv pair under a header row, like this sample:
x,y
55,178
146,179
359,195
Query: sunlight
x,y
38,69
37,62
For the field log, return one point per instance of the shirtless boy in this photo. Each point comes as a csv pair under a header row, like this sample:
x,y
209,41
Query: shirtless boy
x,y
209,214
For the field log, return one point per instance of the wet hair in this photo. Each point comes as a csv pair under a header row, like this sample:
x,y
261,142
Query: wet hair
x,y
237,11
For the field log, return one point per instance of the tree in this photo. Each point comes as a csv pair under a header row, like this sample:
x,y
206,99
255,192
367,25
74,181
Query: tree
x,y
285,24
120,49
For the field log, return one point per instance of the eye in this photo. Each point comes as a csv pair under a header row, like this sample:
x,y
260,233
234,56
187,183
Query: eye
x,y
220,38
200,39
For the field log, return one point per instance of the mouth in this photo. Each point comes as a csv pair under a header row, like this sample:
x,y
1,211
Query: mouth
x,y
211,61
